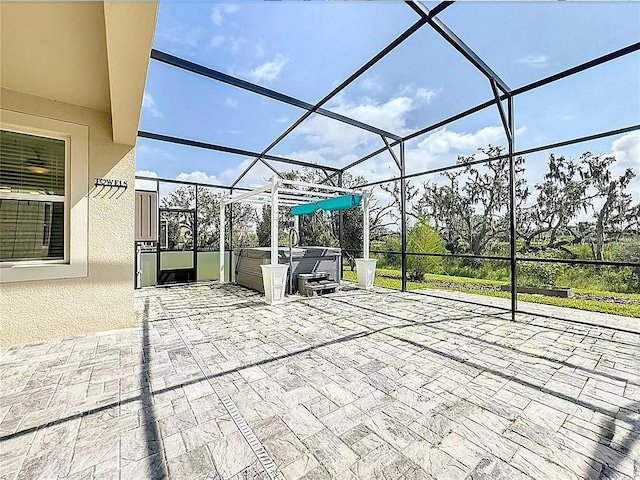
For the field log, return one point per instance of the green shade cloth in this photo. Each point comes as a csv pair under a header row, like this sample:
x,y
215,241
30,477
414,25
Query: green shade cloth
x,y
330,204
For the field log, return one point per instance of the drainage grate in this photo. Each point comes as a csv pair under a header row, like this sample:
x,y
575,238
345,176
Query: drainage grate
x,y
258,449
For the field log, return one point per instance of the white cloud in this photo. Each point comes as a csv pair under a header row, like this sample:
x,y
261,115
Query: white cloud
x,y
148,151
258,175
181,37
325,141
437,149
373,84
220,11
445,141
231,102
626,149
198,177
149,104
335,138
260,48
166,188
282,120
532,60
312,156
443,146
145,184
425,94
237,43
217,41
269,71
146,173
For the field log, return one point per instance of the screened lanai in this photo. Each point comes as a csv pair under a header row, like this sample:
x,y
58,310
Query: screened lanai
x,y
466,142
496,150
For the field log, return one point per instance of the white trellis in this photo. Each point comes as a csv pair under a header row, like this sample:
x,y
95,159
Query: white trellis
x,y
283,192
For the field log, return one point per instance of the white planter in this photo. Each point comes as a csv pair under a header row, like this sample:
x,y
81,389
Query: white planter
x,y
274,278
366,269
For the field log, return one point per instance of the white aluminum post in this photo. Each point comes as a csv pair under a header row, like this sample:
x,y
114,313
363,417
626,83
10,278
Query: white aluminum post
x,y
139,266
365,225
296,226
274,221
222,229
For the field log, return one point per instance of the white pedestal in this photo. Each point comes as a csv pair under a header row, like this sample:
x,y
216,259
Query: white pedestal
x,y
366,269
274,279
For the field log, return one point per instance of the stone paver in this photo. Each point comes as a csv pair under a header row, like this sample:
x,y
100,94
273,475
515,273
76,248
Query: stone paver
x,y
359,384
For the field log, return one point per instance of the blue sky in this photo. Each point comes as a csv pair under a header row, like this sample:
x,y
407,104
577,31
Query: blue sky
x,y
304,49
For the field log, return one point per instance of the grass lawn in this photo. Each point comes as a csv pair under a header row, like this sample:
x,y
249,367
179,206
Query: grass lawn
x,y
591,305
444,278
481,281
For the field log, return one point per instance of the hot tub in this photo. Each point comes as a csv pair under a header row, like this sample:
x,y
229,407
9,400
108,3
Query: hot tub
x,y
305,260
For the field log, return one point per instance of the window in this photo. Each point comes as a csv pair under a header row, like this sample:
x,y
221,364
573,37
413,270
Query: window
x,y
43,198
32,197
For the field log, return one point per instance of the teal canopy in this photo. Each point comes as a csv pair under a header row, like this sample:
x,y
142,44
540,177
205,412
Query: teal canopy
x,y
330,204
304,209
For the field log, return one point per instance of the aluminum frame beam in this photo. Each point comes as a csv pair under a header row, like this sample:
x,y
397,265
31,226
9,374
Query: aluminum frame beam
x,y
320,186
457,43
422,131
391,46
232,150
375,59
403,217
393,155
439,8
509,129
621,52
523,89
221,77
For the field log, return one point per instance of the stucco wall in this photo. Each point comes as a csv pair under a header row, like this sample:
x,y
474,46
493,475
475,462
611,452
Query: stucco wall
x,y
39,310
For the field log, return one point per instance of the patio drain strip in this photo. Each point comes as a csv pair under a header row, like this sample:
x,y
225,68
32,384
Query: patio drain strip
x,y
256,446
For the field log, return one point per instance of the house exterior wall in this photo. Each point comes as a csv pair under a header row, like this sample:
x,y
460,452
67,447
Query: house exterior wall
x,y
32,311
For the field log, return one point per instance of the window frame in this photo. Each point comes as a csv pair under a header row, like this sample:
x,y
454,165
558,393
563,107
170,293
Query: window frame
x,y
76,137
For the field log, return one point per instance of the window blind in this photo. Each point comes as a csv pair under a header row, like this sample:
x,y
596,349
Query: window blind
x,y
32,186
31,164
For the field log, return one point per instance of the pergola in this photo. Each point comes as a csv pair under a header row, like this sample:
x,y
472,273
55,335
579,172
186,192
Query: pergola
x,y
502,99
289,193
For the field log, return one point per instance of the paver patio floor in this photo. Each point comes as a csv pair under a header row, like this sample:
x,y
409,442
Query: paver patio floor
x,y
359,384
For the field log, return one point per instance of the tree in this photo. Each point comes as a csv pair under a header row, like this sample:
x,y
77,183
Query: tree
x,y
573,187
471,209
244,216
178,227
561,196
263,227
381,218
422,238
411,192
616,215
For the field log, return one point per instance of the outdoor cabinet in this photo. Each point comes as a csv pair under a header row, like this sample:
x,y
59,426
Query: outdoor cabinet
x,y
146,221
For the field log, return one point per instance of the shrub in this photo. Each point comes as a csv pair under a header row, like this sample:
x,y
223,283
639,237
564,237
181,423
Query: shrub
x,y
422,238
532,274
392,244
